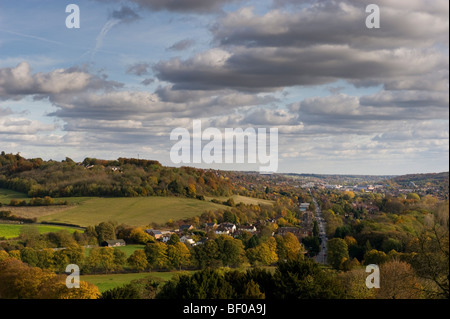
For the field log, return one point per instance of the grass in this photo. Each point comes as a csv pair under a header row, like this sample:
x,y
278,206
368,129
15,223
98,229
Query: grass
x,y
6,195
244,199
137,211
13,230
109,281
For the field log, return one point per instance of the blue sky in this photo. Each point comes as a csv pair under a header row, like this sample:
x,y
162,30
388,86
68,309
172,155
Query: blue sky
x,y
345,99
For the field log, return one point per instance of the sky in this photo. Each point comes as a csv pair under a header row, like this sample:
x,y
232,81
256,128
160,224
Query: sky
x,y
345,98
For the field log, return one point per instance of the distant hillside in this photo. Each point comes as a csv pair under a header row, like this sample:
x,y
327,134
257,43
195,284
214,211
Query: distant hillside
x,y
124,177
340,179
423,180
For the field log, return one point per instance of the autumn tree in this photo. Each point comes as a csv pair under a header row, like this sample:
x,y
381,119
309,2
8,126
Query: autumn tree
x,y
105,231
337,252
156,255
21,281
353,283
304,279
263,254
178,255
398,281
206,255
431,261
231,251
138,260
104,259
374,256
174,238
288,247
139,236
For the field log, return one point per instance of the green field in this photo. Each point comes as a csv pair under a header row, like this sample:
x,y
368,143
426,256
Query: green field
x,y
136,211
13,230
109,281
6,195
244,199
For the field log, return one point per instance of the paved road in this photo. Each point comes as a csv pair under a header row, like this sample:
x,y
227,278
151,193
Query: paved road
x,y
322,256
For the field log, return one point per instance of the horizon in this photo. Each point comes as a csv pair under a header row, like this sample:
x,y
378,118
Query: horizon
x,y
230,170
347,96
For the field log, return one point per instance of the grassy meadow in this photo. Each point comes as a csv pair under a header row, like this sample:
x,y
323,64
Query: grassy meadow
x,y
13,230
109,281
243,199
135,211
6,195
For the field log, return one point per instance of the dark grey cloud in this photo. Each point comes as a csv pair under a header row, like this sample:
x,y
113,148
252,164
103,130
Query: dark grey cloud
x,y
407,99
145,106
375,114
182,45
138,69
318,43
183,6
331,22
125,14
269,68
147,81
5,111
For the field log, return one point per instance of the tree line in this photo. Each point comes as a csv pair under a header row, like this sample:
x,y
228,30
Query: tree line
x,y
119,178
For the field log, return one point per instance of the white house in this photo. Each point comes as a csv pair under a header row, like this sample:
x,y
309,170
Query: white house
x,y
187,239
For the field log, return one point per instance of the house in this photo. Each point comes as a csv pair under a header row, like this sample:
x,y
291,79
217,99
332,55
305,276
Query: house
x,y
225,229
250,229
210,225
304,207
187,240
165,238
155,233
186,227
294,230
222,231
114,243
229,226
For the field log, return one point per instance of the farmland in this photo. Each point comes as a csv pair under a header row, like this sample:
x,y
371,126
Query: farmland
x,y
6,195
244,200
13,230
138,211
134,211
109,281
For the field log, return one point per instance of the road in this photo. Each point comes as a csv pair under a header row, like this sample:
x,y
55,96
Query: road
x,y
322,256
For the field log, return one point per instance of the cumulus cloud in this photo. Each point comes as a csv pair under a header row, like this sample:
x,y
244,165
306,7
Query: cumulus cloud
x,y
273,68
330,22
317,43
22,126
254,57
345,112
17,82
